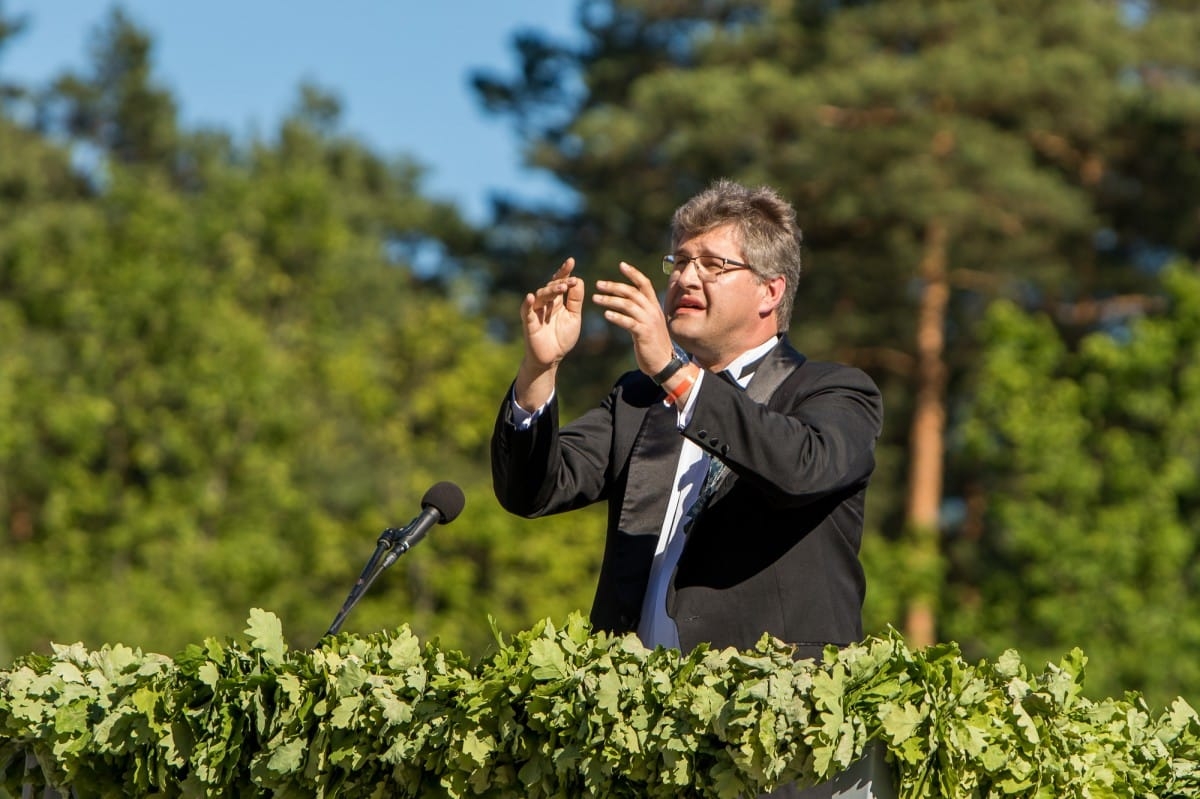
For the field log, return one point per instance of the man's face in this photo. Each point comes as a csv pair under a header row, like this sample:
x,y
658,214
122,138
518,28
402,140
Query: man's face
x,y
716,320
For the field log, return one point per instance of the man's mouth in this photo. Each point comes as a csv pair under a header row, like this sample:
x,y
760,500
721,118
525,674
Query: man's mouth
x,y
688,305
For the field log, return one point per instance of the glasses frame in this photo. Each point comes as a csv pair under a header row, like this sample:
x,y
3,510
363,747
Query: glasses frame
x,y
673,263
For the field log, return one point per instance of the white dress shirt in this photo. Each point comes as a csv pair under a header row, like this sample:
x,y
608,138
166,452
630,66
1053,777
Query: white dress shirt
x,y
656,627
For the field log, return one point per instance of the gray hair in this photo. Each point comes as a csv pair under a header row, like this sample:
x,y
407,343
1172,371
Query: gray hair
x,y
766,229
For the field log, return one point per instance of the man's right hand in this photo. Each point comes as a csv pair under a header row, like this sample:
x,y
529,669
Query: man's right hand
x,y
551,319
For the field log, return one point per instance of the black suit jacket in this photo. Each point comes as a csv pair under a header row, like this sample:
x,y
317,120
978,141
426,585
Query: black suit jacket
x,y
776,550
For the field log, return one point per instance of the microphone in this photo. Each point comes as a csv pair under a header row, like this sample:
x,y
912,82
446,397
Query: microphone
x,y
441,505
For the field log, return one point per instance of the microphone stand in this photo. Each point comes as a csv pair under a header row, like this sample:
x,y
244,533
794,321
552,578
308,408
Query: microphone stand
x,y
375,566
442,503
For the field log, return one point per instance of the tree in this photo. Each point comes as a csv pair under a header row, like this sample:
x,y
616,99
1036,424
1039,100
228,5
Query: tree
x,y
224,376
1088,536
118,108
940,155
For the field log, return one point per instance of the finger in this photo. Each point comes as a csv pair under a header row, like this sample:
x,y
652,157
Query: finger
x,y
631,306
564,270
544,301
573,296
641,282
560,281
532,311
554,289
621,320
616,289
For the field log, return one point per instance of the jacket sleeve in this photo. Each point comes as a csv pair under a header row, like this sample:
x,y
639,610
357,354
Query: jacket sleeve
x,y
544,469
815,438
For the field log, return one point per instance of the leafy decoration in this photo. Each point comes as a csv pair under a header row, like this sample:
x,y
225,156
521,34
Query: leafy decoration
x,y
565,712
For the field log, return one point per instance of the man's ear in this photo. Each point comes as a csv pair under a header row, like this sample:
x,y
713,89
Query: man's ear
x,y
772,295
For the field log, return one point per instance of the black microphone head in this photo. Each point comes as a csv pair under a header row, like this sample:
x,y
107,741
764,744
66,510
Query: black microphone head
x,y
447,498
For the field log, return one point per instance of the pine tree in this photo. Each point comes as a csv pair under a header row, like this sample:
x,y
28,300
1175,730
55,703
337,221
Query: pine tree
x,y
940,154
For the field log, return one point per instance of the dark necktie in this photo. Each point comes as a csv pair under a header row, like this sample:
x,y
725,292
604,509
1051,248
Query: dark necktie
x,y
716,468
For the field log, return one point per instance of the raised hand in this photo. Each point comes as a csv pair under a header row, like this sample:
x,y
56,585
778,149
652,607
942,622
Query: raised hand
x,y
634,306
551,318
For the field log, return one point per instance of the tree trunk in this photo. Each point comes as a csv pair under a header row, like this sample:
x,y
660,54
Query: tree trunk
x,y
926,443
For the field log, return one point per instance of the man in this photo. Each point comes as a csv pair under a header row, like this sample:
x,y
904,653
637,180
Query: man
x,y
735,501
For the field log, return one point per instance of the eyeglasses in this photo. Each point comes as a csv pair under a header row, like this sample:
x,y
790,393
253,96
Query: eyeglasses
x,y
708,267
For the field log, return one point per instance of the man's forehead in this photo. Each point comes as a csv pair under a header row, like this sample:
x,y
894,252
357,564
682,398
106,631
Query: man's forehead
x,y
725,233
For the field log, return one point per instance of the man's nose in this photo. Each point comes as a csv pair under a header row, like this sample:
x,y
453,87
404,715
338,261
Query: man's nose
x,y
690,265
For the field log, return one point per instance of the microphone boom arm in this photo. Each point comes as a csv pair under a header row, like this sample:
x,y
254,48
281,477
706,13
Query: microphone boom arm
x,y
375,566
441,505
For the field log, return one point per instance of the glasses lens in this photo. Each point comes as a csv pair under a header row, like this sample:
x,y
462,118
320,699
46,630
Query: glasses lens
x,y
710,265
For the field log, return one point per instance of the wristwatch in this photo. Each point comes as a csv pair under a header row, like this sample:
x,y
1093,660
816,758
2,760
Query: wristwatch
x,y
674,365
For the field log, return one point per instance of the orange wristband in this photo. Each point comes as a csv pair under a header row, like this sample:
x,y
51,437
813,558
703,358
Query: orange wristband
x,y
674,394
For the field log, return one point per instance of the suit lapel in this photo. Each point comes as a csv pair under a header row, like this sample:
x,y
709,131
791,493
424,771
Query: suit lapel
x,y
775,368
654,455
652,463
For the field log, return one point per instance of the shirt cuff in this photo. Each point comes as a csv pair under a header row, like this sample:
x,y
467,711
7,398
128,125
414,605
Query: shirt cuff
x,y
521,418
685,413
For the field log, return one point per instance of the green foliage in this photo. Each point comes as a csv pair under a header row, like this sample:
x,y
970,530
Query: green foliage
x,y
563,712
1092,455
224,374
228,364
118,107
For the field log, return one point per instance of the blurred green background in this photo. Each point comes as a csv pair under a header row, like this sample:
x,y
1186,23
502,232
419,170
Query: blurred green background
x,y
227,362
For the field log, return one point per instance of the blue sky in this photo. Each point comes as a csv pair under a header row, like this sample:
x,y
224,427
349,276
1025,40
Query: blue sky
x,y
400,68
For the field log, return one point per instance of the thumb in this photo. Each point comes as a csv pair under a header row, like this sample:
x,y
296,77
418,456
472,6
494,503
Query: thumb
x,y
573,299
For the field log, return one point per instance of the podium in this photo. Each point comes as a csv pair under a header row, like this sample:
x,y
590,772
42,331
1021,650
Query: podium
x,y
869,777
